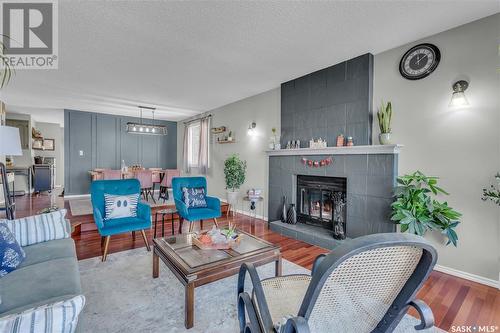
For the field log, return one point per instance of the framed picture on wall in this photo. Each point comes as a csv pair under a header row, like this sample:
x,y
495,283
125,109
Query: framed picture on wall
x,y
49,144
37,143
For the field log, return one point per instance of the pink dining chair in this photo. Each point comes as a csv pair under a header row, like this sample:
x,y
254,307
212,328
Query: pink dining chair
x,y
156,177
111,174
166,182
145,177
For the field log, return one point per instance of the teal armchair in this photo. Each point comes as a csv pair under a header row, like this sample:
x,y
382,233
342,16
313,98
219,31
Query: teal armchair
x,y
212,211
107,228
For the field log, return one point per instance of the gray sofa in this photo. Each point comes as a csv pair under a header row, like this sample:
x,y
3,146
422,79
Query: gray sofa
x,y
48,274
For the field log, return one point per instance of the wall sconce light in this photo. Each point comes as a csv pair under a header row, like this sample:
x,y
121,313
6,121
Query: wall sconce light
x,y
458,97
251,129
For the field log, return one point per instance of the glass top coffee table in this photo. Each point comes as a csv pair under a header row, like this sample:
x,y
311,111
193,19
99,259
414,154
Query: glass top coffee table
x,y
195,267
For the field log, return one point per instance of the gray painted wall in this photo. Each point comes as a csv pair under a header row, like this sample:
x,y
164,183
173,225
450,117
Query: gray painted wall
x,y
105,143
461,146
332,101
264,109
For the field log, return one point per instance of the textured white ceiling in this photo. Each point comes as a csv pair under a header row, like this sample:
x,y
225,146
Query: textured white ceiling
x,y
189,57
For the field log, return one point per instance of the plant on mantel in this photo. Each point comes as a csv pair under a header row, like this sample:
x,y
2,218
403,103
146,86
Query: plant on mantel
x,y
493,193
384,115
417,211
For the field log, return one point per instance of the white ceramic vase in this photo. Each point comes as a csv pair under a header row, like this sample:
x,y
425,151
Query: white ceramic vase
x,y
384,138
232,197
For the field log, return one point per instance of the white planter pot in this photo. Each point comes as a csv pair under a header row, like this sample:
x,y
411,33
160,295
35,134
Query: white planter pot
x,y
385,138
232,197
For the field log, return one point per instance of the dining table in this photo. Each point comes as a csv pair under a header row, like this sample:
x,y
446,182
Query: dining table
x,y
158,173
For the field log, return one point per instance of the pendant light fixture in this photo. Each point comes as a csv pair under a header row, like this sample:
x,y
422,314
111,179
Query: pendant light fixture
x,y
148,129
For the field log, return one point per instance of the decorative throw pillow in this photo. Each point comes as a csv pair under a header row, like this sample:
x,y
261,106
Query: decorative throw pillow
x,y
11,253
61,317
39,228
194,197
118,206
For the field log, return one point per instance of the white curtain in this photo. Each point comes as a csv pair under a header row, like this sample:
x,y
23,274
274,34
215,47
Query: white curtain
x,y
185,150
204,146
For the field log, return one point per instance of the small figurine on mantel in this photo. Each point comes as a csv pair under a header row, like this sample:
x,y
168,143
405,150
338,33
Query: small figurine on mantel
x,y
294,144
340,140
317,144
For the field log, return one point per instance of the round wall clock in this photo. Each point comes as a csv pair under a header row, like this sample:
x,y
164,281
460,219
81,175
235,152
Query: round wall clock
x,y
419,61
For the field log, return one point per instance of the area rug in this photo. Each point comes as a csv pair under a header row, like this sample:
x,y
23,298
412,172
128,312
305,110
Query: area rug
x,y
83,206
123,297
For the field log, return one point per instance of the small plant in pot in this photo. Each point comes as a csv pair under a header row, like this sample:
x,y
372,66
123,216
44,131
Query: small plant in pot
x,y
416,210
384,115
234,172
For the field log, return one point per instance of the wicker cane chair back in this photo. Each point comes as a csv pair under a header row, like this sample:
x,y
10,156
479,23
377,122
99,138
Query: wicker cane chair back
x,y
358,293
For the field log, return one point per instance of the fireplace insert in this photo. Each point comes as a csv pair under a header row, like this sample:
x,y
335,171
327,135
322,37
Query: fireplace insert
x,y
321,201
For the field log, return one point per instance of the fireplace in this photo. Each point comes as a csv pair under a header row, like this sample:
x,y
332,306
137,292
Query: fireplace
x,y
321,201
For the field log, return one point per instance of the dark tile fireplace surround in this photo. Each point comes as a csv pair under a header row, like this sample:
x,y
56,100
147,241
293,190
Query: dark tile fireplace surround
x,y
335,100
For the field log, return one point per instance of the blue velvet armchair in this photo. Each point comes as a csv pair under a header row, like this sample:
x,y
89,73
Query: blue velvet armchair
x,y
107,228
212,211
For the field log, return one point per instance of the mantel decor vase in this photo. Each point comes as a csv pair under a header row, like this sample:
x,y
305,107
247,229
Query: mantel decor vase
x,y
283,210
384,138
291,217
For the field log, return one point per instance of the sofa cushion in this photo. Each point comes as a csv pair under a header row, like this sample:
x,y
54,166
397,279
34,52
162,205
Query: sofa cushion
x,y
126,224
35,284
39,228
61,316
118,206
194,197
11,253
37,253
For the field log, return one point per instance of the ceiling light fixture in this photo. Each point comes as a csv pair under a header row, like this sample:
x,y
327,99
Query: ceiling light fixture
x,y
458,98
146,129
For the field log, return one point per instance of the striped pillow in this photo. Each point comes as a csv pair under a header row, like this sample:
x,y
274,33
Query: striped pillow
x,y
118,206
39,228
60,317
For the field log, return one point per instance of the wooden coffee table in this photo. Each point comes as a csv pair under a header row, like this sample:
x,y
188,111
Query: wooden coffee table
x,y
195,267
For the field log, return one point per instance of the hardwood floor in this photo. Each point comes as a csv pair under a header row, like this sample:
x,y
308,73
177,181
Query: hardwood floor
x,y
454,301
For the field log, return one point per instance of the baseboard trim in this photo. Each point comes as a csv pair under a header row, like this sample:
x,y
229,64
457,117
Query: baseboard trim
x,y
76,196
467,276
244,212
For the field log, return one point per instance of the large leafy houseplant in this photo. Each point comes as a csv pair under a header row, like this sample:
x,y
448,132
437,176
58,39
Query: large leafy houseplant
x,y
234,172
416,210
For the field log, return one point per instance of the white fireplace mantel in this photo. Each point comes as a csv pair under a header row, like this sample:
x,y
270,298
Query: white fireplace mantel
x,y
354,150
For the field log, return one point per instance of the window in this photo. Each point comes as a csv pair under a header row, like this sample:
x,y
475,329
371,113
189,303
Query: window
x,y
193,144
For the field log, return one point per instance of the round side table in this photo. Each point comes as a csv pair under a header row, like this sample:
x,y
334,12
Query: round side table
x,y
253,201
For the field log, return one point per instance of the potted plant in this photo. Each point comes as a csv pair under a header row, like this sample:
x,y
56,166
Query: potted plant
x,y
416,210
384,115
234,173
493,193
